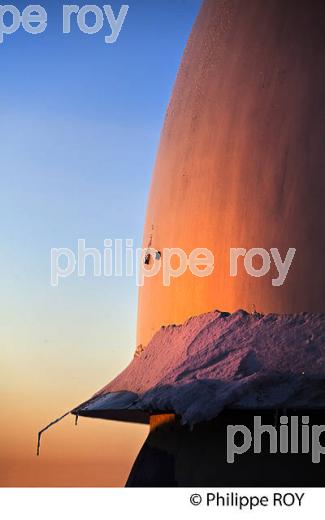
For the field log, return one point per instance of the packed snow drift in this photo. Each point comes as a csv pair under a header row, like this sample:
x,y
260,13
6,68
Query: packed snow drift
x,y
220,360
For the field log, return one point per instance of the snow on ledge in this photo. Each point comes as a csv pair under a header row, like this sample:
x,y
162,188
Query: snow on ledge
x,y
218,360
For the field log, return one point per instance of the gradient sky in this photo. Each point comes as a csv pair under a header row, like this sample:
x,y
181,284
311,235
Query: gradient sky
x,y
80,125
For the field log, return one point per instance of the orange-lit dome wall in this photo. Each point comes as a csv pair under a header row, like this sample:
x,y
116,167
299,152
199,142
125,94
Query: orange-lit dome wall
x,y
241,161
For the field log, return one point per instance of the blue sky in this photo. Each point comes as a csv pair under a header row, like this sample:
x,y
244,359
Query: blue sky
x,y
80,126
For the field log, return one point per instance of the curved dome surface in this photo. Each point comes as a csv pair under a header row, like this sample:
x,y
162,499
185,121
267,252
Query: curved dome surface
x,y
241,162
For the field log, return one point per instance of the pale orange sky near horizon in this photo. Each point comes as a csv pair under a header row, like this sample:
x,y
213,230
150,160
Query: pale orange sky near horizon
x,y
56,352
36,388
